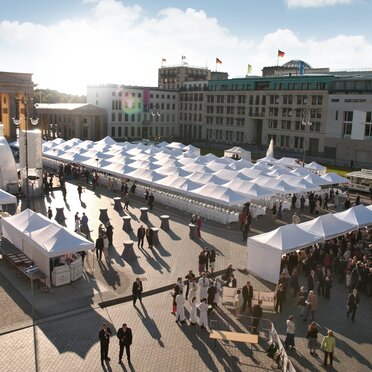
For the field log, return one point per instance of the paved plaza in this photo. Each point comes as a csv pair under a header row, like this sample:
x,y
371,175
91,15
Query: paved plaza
x,y
68,318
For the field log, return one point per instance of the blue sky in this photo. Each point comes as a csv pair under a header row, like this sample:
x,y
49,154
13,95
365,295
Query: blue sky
x,y
71,43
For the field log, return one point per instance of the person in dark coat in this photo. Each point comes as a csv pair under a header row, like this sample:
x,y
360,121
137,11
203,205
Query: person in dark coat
x,y
104,339
137,290
247,293
189,277
327,286
352,304
279,297
256,316
311,281
109,232
141,232
151,201
99,248
211,296
125,337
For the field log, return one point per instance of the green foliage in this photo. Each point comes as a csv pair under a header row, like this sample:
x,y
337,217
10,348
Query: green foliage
x,y
53,96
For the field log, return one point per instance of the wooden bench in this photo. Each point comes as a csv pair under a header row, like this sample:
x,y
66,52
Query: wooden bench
x,y
234,337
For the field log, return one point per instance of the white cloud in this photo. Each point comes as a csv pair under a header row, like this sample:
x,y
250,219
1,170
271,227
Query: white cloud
x,y
123,44
315,3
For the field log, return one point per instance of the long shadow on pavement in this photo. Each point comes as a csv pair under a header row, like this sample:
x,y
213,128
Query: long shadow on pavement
x,y
149,324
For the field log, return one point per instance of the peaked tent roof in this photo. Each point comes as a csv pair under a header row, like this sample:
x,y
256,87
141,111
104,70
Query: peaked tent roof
x,y
334,178
328,226
6,198
288,238
315,166
359,215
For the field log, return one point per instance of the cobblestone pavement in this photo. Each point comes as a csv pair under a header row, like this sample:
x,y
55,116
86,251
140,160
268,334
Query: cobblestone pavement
x,y
70,340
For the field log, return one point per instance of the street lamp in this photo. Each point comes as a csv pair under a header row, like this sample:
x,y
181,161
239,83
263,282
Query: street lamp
x,y
26,102
306,123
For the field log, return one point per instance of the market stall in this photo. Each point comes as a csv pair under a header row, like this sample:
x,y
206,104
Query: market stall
x,y
51,247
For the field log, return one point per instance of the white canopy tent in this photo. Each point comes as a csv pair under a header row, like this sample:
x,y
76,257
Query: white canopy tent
x,y
315,167
41,239
6,198
238,151
265,251
369,207
334,179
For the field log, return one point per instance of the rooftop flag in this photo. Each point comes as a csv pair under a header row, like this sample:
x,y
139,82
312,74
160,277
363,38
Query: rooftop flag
x,y
218,61
280,53
163,60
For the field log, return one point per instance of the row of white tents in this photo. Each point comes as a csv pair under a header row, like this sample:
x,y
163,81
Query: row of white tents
x,y
181,169
266,250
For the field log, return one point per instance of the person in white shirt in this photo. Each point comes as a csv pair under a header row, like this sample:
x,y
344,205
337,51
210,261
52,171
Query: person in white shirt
x,y
180,312
105,248
203,286
192,290
295,218
193,316
291,328
203,308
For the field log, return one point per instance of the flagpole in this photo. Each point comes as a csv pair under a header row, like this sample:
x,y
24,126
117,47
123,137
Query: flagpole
x,y
162,62
277,60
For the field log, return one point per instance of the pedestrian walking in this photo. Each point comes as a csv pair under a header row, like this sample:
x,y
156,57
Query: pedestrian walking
x,y
312,305
295,218
175,293
84,224
203,284
302,203
212,260
198,226
180,311
189,277
256,316
280,210
328,346
238,301
80,191
126,202
352,304
211,296
101,230
149,236
50,213
201,262
247,292
290,338
77,222
125,337
105,248
151,201
302,297
274,211
99,248
141,232
137,290
327,286
312,337
82,255
193,315
109,232
104,339
203,308
206,254
133,187
279,298
193,288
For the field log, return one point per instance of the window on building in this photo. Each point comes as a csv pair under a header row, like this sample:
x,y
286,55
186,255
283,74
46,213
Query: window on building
x,y
369,117
113,132
348,115
368,132
347,128
119,131
120,117
113,117
336,115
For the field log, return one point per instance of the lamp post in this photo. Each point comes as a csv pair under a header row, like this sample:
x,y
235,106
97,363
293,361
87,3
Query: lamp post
x,y
306,123
26,102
